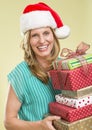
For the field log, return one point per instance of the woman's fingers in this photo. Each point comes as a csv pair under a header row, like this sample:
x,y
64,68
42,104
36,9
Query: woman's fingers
x,y
51,118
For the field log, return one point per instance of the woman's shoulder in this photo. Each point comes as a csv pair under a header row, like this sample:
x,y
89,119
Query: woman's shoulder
x,y
22,65
18,77
21,68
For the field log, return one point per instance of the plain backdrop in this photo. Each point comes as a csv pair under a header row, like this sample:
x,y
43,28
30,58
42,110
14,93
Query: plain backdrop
x,y
75,13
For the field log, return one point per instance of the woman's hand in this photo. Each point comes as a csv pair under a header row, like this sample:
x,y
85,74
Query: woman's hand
x,y
46,123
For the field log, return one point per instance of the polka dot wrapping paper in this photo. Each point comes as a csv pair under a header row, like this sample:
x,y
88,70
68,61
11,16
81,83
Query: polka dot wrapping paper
x,y
68,113
71,79
75,103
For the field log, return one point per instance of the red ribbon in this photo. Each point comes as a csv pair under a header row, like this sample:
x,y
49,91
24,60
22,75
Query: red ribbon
x,y
66,54
78,54
81,49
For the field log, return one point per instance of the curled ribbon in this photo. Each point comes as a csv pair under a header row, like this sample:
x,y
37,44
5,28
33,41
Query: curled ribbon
x,y
81,49
66,54
78,54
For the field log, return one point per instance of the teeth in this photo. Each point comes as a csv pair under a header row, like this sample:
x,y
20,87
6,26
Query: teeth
x,y
42,47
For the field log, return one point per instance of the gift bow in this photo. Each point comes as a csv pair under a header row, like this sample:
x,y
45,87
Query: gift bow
x,y
78,54
81,49
67,53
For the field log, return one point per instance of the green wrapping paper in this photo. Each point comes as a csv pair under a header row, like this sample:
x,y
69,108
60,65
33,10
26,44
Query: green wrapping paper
x,y
84,124
73,63
78,93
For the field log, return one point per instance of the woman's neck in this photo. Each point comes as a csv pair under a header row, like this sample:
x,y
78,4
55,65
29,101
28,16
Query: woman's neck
x,y
44,64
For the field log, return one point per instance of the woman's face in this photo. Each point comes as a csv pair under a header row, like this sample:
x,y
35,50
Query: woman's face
x,y
42,41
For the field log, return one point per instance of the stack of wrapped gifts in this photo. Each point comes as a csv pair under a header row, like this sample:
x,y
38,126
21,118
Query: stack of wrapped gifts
x,y
73,76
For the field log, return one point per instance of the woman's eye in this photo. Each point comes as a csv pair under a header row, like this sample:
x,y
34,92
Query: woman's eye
x,y
34,35
46,33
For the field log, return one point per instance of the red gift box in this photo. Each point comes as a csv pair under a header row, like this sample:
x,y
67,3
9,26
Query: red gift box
x,y
55,80
71,79
68,113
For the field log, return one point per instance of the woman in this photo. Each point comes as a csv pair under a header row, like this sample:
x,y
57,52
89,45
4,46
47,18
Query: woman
x,y
30,89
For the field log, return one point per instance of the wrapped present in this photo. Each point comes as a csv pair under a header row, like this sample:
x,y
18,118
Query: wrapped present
x,y
55,63
55,80
76,62
83,124
73,59
72,79
78,93
76,103
68,113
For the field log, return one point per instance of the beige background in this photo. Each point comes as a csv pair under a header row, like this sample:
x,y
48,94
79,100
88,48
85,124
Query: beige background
x,y
76,13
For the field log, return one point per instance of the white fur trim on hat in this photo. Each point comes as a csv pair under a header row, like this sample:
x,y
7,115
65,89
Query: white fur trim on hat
x,y
62,32
36,19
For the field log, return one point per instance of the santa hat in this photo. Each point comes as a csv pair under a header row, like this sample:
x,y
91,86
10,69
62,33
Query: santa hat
x,y
41,15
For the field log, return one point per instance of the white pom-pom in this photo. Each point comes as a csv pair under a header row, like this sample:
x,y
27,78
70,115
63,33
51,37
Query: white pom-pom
x,y
62,32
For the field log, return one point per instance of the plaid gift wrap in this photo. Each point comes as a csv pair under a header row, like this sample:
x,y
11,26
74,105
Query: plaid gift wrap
x,y
75,62
72,79
68,113
74,59
78,93
83,124
76,103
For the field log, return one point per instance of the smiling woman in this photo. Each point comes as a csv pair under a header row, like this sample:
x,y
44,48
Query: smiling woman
x,y
30,88
42,43
77,14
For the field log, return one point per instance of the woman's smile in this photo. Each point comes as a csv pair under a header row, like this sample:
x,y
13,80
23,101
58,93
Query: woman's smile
x,y
43,47
42,41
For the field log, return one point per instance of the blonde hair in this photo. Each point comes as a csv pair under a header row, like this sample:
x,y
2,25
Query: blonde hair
x,y
30,58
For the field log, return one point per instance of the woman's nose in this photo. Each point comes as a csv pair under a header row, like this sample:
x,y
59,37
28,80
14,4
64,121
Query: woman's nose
x,y
42,39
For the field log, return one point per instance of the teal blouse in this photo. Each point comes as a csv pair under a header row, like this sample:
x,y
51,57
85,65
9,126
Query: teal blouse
x,y
31,92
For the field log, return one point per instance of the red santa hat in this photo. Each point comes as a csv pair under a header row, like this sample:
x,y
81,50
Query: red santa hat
x,y
41,15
